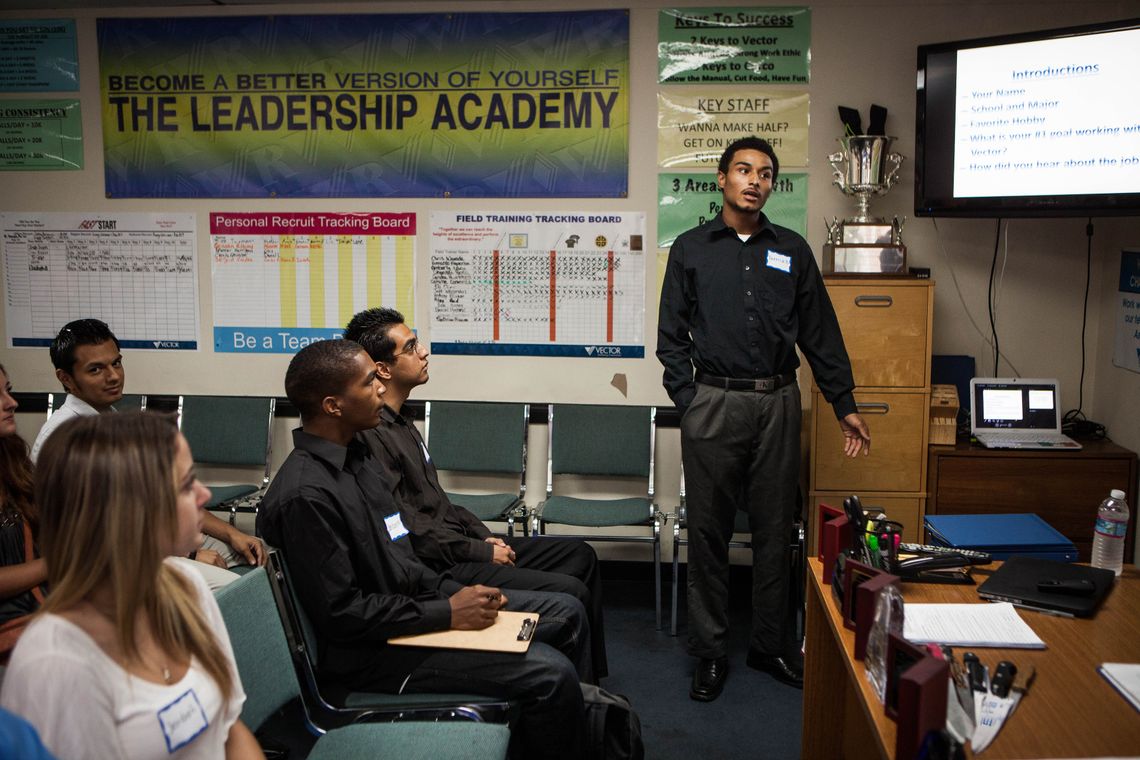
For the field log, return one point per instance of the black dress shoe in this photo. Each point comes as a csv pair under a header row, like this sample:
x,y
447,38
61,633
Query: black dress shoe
x,y
789,670
708,679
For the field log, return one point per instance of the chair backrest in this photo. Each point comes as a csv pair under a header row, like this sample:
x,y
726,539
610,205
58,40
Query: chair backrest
x,y
128,403
299,629
260,648
601,440
228,430
131,403
472,436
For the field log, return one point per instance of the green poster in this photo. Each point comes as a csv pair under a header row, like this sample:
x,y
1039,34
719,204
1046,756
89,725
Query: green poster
x,y
734,45
38,55
687,200
38,135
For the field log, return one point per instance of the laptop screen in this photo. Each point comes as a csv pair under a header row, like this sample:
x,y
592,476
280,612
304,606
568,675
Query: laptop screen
x,y
1016,405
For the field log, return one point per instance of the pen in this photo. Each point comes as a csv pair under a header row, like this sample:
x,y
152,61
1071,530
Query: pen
x,y
873,550
976,671
1003,678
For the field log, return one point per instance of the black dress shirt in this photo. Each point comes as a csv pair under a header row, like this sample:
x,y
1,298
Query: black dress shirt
x,y
738,309
443,534
326,511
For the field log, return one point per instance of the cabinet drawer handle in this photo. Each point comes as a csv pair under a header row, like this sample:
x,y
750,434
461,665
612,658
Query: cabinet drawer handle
x,y
880,302
877,407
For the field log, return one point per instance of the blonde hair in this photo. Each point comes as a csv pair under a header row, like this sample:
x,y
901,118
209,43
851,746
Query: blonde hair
x,y
108,507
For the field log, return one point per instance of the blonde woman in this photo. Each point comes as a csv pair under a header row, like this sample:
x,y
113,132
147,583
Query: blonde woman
x,y
129,657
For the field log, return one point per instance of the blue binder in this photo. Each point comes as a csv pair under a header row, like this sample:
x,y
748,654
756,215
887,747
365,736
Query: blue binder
x,y
1001,535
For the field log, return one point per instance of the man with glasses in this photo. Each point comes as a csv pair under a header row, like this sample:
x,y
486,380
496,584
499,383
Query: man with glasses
x,y
444,535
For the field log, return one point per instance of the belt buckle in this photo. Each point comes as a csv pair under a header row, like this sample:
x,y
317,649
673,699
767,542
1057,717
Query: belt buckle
x,y
764,385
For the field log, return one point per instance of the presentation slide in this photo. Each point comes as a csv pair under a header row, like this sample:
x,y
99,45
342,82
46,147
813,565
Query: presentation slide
x,y
1053,117
1002,405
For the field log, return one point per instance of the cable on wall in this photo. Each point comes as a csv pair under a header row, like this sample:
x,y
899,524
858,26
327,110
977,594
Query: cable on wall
x,y
992,297
1074,422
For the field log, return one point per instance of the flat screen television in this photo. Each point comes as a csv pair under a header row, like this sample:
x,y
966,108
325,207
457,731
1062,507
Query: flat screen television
x,y
1037,124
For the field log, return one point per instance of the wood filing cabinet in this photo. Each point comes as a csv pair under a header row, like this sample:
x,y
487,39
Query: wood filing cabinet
x,y
887,328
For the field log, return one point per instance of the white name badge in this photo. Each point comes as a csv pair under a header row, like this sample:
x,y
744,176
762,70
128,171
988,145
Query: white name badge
x,y
395,526
777,260
182,720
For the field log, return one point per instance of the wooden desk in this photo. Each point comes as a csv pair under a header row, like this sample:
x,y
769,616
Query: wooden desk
x,y
1070,711
1063,487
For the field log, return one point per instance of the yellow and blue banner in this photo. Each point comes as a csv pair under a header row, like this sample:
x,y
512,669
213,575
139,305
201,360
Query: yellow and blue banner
x,y
392,105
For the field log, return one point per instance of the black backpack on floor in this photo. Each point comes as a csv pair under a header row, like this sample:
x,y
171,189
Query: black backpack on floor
x,y
613,730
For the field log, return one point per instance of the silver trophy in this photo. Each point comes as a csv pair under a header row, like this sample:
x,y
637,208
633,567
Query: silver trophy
x,y
865,244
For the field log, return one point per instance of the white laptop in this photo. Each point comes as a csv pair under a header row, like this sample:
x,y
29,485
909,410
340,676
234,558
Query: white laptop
x,y
1015,413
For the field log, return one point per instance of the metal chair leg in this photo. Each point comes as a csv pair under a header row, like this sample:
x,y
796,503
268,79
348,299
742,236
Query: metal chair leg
x,y
676,570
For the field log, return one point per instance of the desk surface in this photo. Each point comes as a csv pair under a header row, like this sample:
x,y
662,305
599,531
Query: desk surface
x,y
1070,711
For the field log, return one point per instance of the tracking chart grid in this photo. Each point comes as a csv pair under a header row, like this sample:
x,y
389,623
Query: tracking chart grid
x,y
284,280
538,284
136,272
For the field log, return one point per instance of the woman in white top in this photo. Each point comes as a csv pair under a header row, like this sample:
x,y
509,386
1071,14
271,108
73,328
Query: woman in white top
x,y
129,657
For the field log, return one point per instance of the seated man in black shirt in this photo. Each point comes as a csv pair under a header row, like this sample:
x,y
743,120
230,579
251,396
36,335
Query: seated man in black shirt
x,y
357,577
447,536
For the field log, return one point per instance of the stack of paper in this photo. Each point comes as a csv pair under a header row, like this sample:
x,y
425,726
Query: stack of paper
x,y
1125,676
969,625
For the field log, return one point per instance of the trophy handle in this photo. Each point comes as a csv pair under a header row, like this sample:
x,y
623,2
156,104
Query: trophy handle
x,y
895,160
838,161
832,229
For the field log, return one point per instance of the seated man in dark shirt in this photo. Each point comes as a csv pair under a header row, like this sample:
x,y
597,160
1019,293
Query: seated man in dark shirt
x,y
445,535
332,515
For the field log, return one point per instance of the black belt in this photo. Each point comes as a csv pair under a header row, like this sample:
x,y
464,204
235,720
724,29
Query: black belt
x,y
760,384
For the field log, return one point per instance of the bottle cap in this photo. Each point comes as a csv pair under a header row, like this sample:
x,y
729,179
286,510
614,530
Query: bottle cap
x,y
1117,494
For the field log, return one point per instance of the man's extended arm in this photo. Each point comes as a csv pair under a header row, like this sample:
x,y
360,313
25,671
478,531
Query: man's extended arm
x,y
244,544
434,541
674,344
821,340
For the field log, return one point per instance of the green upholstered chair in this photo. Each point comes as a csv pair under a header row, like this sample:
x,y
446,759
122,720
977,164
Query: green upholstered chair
x,y
743,540
267,673
232,432
131,403
611,442
480,438
128,403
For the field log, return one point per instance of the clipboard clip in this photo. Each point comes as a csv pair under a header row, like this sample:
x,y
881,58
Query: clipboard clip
x,y
526,630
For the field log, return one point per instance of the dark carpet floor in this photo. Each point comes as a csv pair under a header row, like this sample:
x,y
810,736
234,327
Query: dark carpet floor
x,y
755,717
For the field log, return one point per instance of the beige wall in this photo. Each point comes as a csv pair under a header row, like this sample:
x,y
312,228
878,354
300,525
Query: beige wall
x,y
862,52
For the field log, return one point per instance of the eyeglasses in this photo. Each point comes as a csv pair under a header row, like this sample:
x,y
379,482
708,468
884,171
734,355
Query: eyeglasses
x,y
411,348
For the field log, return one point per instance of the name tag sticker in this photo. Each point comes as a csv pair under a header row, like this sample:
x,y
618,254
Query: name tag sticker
x,y
777,260
182,720
395,526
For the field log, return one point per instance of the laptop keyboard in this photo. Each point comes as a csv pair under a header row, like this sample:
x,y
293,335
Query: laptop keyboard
x,y
1015,437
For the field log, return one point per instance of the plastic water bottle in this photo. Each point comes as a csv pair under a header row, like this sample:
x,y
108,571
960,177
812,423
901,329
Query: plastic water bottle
x,y
1111,527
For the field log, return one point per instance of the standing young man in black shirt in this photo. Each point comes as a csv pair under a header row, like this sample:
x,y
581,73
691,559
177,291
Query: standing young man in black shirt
x,y
446,536
740,293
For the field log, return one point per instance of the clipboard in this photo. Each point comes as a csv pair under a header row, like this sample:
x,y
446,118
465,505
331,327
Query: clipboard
x,y
511,632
